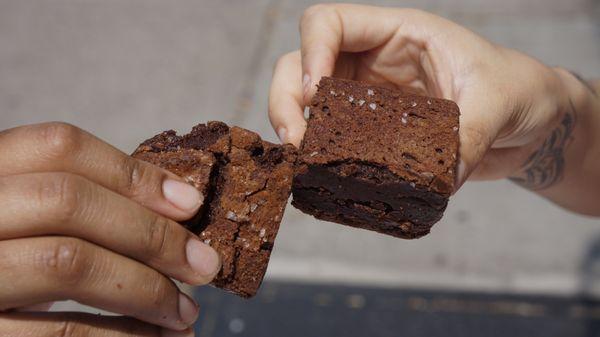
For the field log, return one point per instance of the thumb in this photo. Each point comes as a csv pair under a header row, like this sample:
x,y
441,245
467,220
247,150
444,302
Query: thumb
x,y
481,120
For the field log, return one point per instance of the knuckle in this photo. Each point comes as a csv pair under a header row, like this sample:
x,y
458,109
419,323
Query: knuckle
x,y
60,194
64,260
156,237
314,11
159,290
139,178
59,140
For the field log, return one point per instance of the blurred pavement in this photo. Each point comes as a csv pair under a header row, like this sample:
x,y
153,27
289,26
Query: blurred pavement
x,y
126,69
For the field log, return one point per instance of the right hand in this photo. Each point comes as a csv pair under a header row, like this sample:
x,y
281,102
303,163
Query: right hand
x,y
509,102
81,220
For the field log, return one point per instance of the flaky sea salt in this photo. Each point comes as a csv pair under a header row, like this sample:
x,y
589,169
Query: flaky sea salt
x,y
370,92
332,92
350,99
314,154
262,233
231,216
427,175
455,128
373,106
429,102
403,120
413,104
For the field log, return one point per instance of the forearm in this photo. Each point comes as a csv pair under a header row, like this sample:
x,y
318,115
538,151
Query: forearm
x,y
565,166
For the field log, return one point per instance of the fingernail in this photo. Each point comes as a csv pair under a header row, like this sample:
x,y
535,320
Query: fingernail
x,y
202,258
172,333
282,134
37,307
183,196
188,309
306,84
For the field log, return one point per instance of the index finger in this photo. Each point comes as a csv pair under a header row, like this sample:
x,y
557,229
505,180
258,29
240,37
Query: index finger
x,y
328,29
60,147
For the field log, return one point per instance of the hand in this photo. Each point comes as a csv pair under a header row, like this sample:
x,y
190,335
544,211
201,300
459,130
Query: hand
x,y
81,220
509,102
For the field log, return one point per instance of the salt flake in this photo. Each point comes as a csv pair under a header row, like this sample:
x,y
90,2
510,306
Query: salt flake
x,y
231,216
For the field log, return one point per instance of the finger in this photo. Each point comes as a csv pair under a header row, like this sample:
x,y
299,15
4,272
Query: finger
x,y
63,147
71,324
478,128
39,204
59,268
286,108
328,29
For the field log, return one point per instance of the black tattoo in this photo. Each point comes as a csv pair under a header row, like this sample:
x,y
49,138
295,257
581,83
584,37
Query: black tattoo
x,y
585,83
545,167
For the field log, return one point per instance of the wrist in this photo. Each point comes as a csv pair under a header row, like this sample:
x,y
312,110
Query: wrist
x,y
583,99
554,117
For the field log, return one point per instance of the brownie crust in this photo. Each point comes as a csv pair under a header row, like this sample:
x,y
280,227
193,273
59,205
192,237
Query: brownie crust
x,y
377,158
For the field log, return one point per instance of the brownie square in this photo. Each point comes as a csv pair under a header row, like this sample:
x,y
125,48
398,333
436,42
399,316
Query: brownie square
x,y
245,196
376,158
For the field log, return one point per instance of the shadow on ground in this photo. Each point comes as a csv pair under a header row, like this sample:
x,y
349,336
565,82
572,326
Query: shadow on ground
x,y
293,309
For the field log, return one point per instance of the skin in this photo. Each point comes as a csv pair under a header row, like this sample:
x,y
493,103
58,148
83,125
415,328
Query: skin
x,y
81,220
520,119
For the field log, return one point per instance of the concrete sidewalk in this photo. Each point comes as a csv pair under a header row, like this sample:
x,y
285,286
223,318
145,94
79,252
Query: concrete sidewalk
x,y
125,70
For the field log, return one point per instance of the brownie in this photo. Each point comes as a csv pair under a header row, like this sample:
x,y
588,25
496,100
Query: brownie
x,y
193,166
377,158
249,182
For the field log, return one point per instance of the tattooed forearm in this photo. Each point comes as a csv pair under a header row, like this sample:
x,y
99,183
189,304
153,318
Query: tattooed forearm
x,y
545,167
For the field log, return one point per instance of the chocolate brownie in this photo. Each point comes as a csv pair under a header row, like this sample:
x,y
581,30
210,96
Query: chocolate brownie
x,y
245,196
193,166
377,158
